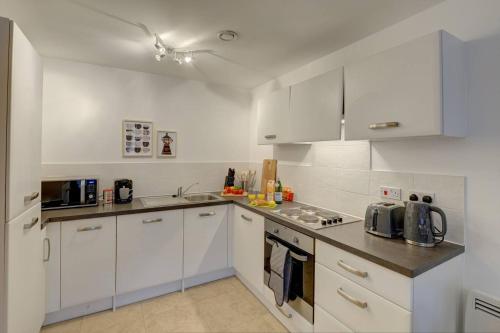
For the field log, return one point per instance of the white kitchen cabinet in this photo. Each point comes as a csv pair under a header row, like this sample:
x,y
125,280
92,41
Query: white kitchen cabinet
x,y
25,273
87,260
248,247
273,118
316,107
52,243
326,323
415,89
25,126
149,250
205,240
352,293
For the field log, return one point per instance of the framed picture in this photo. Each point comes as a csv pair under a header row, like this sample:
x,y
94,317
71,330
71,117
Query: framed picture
x,y
137,138
166,144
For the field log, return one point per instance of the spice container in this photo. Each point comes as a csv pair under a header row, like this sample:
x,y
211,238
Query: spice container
x,y
107,195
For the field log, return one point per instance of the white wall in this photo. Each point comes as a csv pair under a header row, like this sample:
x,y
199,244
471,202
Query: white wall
x,y
476,157
84,106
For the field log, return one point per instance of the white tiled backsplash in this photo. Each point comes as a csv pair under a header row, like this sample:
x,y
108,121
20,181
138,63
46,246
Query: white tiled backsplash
x,y
336,175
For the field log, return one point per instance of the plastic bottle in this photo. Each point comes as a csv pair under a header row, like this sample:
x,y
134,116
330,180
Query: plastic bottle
x,y
278,192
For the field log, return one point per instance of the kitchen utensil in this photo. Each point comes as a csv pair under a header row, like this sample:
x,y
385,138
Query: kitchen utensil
x,y
385,219
269,168
419,228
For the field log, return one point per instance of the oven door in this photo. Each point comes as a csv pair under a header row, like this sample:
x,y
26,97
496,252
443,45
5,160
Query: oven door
x,y
301,296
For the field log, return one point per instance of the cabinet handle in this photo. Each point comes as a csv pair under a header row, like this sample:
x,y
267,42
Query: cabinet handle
x,y
91,228
389,124
288,315
31,197
270,136
206,214
246,218
32,224
351,269
351,299
48,249
152,220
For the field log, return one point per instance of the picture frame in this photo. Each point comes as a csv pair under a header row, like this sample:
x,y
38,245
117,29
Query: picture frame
x,y
137,138
166,144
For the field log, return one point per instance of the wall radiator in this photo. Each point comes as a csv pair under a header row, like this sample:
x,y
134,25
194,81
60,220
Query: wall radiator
x,y
482,313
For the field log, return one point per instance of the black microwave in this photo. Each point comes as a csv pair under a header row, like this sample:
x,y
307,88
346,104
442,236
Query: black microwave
x,y
69,193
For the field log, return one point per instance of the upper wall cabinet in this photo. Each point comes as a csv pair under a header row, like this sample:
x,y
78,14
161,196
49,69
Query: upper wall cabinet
x,y
415,89
308,111
316,108
273,118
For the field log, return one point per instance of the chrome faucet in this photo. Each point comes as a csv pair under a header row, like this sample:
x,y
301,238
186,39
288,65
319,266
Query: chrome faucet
x,y
181,193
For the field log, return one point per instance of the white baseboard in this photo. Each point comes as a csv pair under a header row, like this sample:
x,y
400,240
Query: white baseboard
x,y
133,297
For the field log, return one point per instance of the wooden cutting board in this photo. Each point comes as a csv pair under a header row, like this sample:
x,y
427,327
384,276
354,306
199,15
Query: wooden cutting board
x,y
269,168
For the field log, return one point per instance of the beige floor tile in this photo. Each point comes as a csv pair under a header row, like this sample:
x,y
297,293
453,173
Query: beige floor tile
x,y
125,319
69,326
221,306
165,303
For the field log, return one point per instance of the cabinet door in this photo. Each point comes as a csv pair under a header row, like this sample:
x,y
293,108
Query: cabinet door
x,y
149,250
326,323
248,246
25,273
402,85
273,124
87,260
53,266
205,240
25,114
316,107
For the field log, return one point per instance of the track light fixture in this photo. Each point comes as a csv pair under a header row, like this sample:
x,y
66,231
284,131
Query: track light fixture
x,y
162,51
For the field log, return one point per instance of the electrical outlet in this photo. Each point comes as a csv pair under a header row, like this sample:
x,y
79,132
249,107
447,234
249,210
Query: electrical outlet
x,y
393,193
421,194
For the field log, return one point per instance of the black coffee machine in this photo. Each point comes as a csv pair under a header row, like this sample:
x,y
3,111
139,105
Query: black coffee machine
x,y
123,191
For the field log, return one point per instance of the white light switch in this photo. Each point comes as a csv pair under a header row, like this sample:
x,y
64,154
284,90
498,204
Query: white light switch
x,y
393,193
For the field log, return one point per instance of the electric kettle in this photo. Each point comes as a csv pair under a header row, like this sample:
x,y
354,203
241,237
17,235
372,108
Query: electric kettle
x,y
419,228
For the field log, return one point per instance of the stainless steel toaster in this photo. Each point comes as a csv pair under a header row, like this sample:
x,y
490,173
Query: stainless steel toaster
x,y
385,219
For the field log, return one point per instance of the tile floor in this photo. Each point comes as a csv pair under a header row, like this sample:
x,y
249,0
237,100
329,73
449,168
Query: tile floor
x,y
221,306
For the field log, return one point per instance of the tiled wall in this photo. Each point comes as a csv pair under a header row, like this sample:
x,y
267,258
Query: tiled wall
x,y
150,178
336,175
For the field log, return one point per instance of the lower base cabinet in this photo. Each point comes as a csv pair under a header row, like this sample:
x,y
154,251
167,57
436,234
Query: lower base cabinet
x,y
52,266
248,247
354,294
326,323
205,240
149,250
87,260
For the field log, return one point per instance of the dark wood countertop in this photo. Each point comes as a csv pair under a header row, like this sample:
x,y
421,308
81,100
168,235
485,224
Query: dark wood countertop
x,y
394,254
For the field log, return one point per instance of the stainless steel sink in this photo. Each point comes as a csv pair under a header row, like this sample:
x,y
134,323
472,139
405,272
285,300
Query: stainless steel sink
x,y
201,197
164,200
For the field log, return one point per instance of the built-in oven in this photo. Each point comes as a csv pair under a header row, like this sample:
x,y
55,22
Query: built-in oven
x,y
68,193
301,294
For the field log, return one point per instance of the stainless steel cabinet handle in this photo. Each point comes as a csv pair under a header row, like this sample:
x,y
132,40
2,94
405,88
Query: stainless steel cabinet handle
x,y
246,218
159,219
91,228
48,249
296,240
270,137
351,299
206,214
389,124
32,224
288,315
276,231
31,197
351,269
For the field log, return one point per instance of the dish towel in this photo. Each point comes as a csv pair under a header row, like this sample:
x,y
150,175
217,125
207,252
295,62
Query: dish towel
x,y
281,272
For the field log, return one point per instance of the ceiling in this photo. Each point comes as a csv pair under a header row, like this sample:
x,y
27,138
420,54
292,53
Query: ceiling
x,y
276,36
